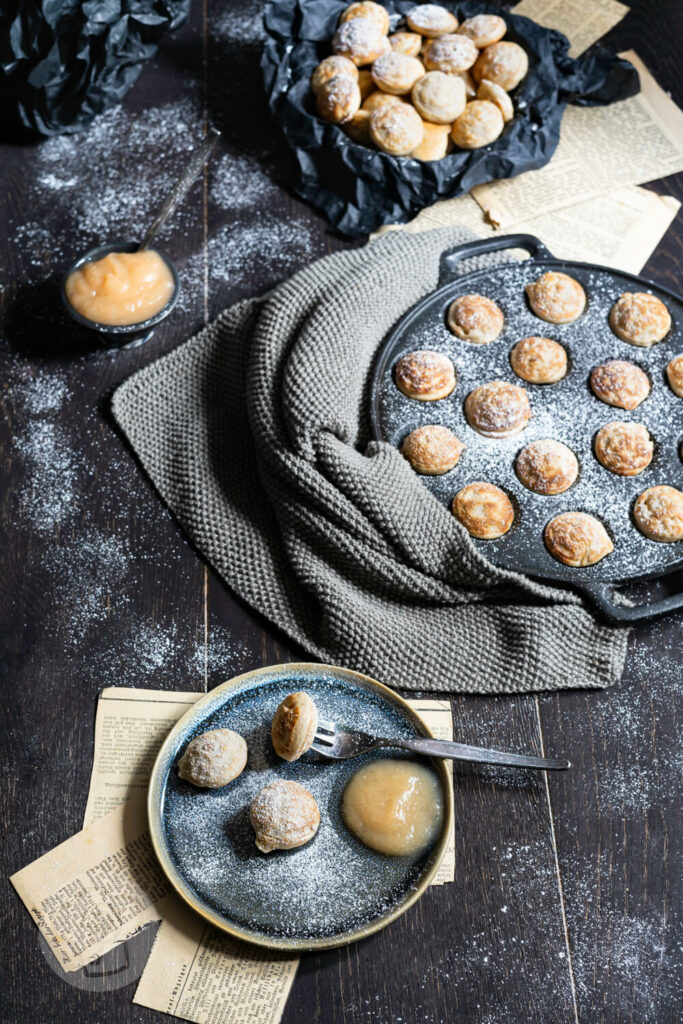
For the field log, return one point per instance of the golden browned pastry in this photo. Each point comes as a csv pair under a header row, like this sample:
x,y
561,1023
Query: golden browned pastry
x,y
438,97
480,123
360,40
431,20
556,297
358,128
409,43
339,99
366,83
377,100
577,539
294,725
425,375
539,360
547,467
624,448
640,318
475,318
213,759
470,84
330,68
436,142
658,513
432,450
452,54
396,73
504,63
620,383
368,9
283,815
483,29
396,129
496,94
497,409
484,510
674,375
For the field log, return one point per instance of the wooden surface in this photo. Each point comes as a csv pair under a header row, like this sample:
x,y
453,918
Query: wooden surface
x,y
564,905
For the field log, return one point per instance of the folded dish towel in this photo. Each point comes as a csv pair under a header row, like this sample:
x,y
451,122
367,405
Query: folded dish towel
x,y
254,433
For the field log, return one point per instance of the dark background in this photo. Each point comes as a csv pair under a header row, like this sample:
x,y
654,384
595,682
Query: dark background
x,y
564,905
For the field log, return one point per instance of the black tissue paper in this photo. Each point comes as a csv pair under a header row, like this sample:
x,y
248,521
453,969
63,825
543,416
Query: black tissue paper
x,y
62,62
358,188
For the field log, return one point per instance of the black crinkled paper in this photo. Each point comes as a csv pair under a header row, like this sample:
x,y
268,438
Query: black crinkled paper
x,y
358,188
62,62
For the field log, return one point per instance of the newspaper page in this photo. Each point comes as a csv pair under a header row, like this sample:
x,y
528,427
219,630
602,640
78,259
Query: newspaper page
x,y
601,149
438,717
96,889
582,21
619,230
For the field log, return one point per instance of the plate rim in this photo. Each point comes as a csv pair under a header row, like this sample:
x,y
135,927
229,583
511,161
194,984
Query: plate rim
x,y
286,944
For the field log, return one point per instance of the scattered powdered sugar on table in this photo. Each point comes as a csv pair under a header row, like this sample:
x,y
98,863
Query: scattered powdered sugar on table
x,y
48,496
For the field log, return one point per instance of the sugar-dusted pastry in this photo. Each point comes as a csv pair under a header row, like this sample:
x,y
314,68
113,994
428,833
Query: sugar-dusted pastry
x,y
368,9
409,43
439,97
358,128
294,725
484,510
547,467
556,297
539,360
283,815
624,448
360,40
396,129
366,83
640,318
483,29
452,54
577,539
339,99
475,318
658,513
436,142
425,375
496,94
330,68
432,449
377,100
396,73
497,409
470,84
620,383
431,20
213,759
674,375
480,123
504,63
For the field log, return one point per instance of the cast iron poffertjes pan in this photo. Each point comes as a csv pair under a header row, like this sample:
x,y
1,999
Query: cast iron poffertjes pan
x,y
567,411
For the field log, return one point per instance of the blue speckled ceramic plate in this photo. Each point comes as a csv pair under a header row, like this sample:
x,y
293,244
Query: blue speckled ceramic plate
x,y
333,890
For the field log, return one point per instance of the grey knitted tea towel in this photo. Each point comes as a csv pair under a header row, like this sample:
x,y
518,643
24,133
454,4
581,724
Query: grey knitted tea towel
x,y
254,433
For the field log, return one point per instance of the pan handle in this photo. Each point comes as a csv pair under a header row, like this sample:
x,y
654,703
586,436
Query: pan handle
x,y
450,260
601,595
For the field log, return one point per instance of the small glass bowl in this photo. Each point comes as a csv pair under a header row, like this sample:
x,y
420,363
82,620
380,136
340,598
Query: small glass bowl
x,y
122,335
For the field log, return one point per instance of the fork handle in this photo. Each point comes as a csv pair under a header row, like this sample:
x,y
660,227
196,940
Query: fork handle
x,y
463,752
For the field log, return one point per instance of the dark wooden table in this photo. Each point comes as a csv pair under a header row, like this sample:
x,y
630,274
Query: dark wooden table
x,y
564,904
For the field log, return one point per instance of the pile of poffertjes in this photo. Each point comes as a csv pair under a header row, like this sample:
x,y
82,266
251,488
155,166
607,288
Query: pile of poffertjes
x,y
499,409
419,92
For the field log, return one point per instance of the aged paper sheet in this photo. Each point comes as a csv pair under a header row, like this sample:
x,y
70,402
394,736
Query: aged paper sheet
x,y
619,230
96,889
438,716
601,149
582,21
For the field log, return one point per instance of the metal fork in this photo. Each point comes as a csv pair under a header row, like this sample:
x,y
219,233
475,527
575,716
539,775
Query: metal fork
x,y
339,744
